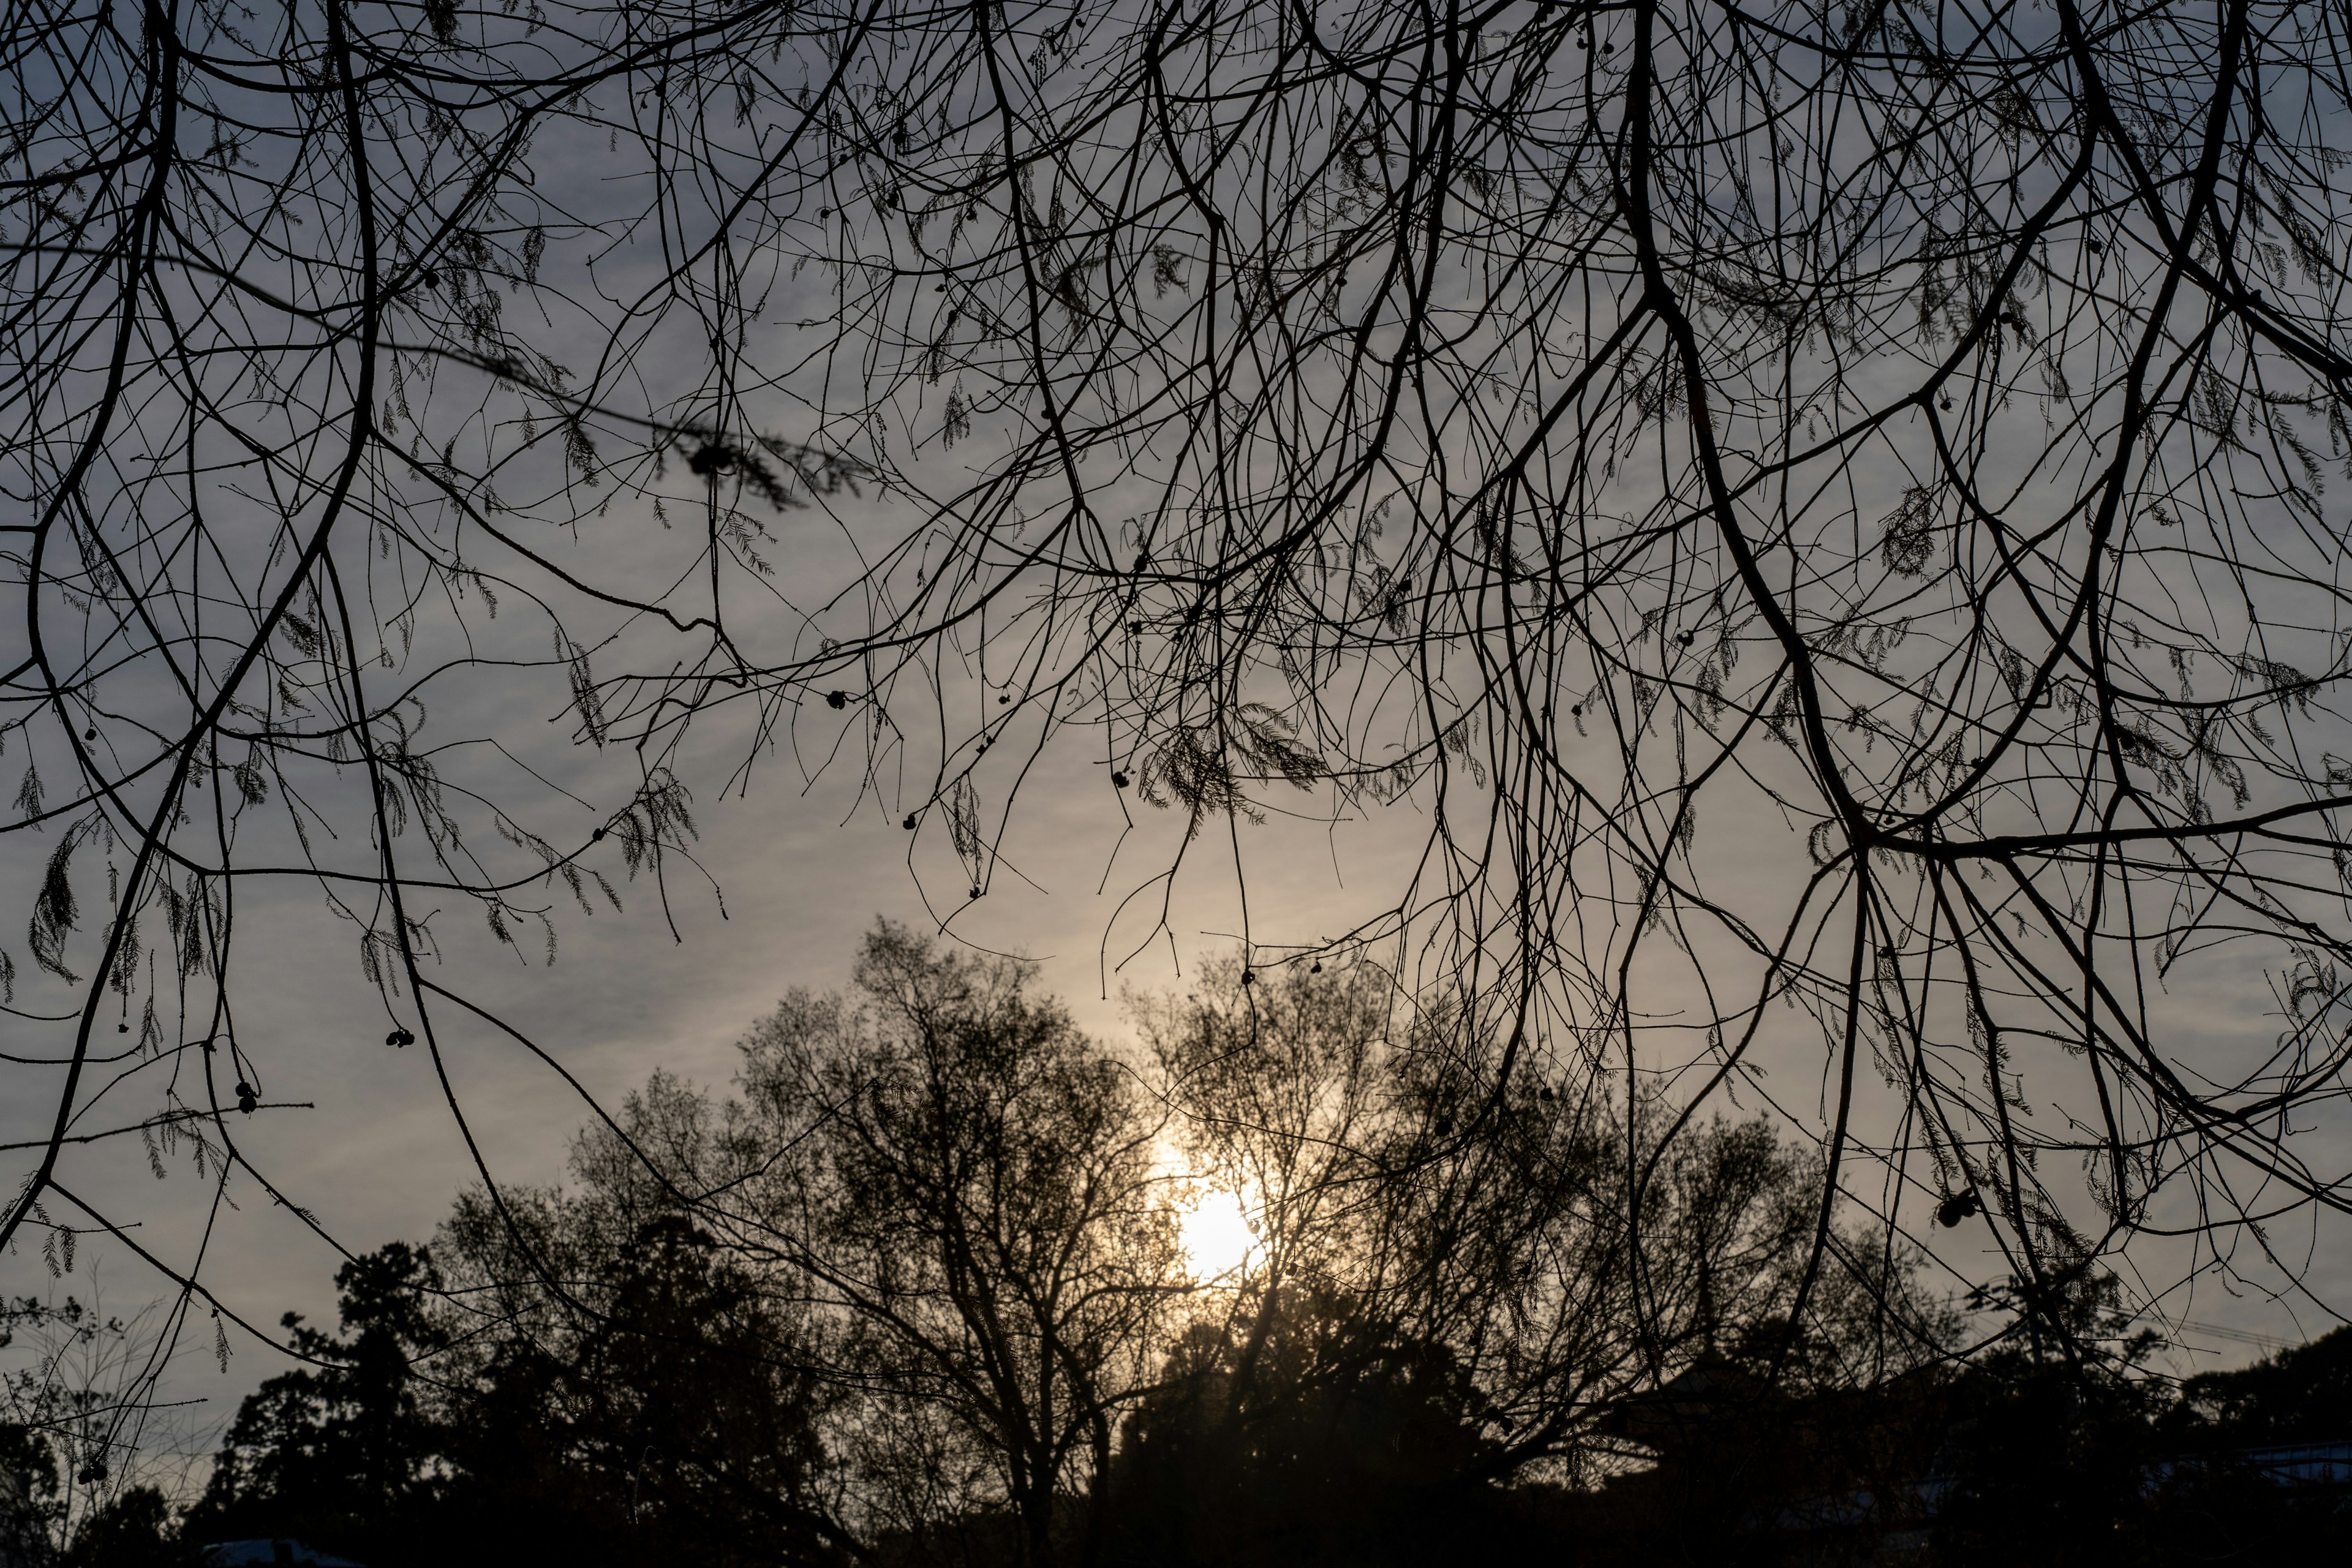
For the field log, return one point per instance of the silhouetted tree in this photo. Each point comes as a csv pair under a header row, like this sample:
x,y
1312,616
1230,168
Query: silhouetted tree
x,y
135,1529
29,1505
970,1184
2301,1394
2060,1449
340,1453
956,1192
1565,1253
75,1423
663,1420
912,1294
1325,1438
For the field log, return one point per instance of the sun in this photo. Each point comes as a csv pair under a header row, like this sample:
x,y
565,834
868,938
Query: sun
x,y
1215,1232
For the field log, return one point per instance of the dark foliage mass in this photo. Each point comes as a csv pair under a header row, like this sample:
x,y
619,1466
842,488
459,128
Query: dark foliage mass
x,y
913,1294
342,1436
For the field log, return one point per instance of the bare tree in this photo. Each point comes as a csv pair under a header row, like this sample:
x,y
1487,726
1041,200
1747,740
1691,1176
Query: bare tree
x,y
1385,1179
82,1431
954,1202
973,1188
1815,513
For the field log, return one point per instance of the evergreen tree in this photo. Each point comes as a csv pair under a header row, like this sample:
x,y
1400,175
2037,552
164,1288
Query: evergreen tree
x,y
342,1453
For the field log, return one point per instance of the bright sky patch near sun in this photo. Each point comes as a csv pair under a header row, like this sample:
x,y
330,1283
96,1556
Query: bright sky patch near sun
x,y
1214,1230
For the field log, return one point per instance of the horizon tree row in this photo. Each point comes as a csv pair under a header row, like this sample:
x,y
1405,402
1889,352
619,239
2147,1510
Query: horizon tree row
x,y
912,1293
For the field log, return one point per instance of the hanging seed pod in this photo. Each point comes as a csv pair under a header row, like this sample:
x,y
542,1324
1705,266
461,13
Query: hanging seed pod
x,y
909,823
837,699
1119,780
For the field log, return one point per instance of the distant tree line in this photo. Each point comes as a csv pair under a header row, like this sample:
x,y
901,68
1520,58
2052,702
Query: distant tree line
x,y
916,1293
